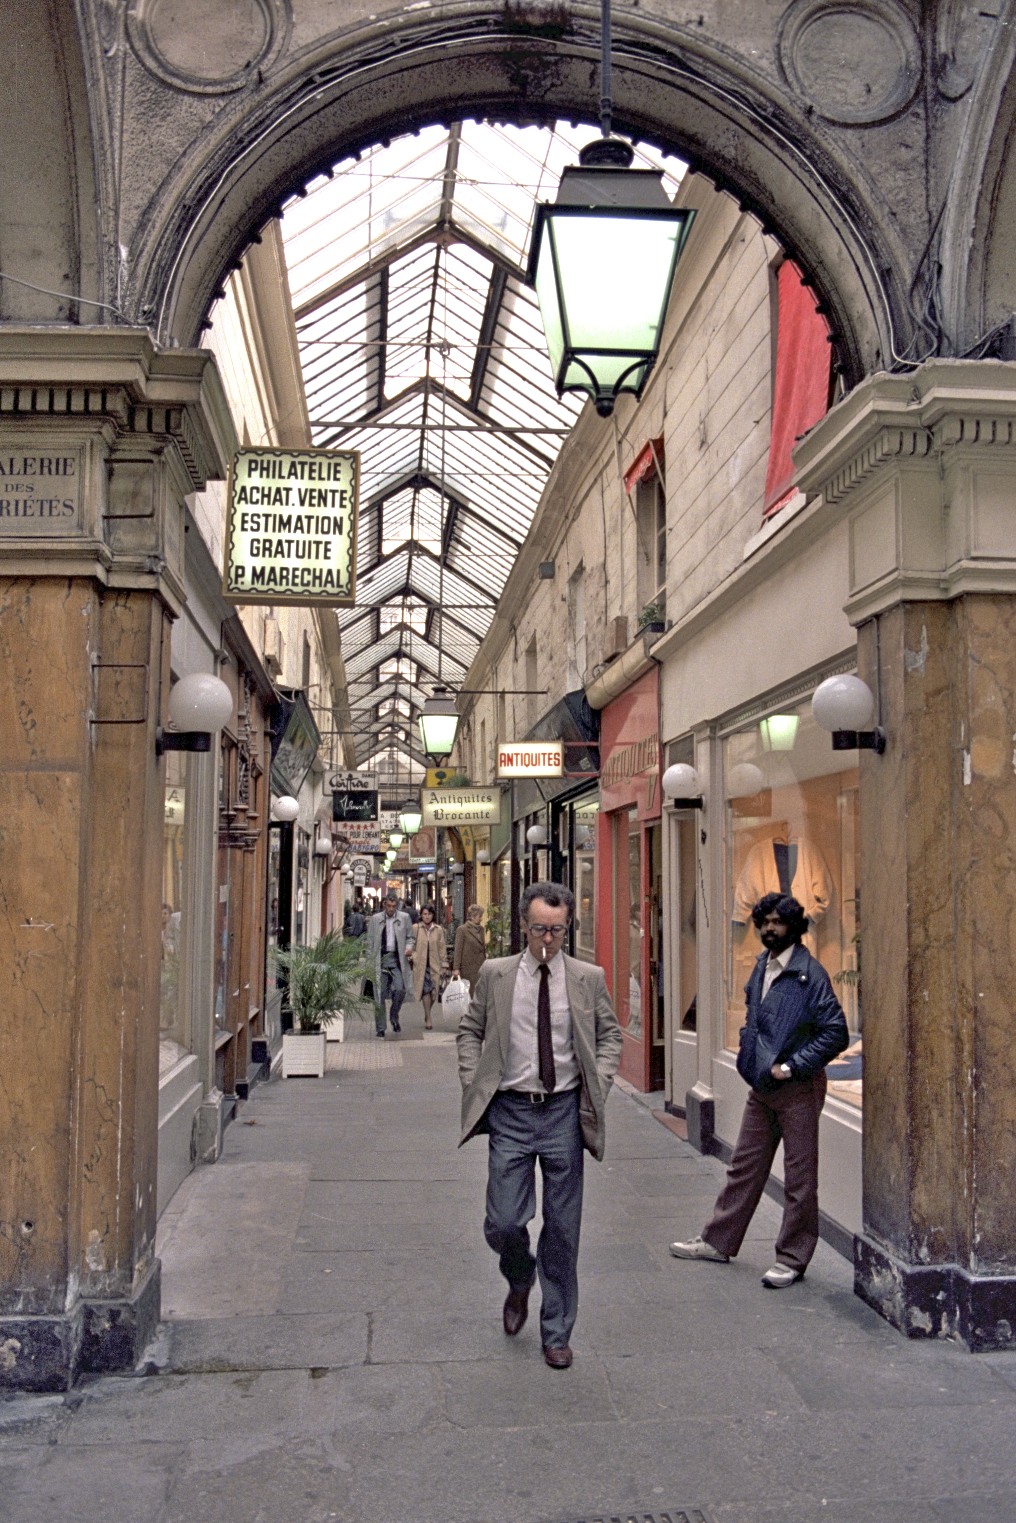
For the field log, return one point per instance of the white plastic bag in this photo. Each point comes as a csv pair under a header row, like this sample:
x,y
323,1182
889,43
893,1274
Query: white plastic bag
x,y
455,999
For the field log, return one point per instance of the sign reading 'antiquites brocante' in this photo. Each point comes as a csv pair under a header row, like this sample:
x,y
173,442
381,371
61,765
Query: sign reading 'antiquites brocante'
x,y
291,527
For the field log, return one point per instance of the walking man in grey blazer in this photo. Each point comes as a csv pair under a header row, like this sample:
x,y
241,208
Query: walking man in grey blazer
x,y
389,941
538,1050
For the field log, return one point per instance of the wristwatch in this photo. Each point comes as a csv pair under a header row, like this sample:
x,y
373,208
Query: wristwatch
x,y
786,1070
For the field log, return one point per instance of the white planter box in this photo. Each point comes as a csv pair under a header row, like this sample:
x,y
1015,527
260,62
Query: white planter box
x,y
303,1054
335,1031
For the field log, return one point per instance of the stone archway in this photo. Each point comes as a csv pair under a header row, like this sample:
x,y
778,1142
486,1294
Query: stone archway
x,y
377,80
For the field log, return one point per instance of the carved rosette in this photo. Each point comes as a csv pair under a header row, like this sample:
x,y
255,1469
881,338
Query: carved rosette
x,y
855,61
245,40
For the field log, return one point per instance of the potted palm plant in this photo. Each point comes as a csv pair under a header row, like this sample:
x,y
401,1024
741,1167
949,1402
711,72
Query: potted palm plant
x,y
322,979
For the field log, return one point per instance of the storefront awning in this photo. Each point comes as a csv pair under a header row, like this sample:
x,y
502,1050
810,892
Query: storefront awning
x,y
648,461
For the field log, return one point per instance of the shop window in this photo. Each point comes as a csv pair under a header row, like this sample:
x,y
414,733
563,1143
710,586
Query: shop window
x,y
585,822
792,825
651,519
577,649
174,868
532,682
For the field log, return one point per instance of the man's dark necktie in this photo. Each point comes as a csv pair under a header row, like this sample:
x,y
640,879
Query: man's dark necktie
x,y
544,1045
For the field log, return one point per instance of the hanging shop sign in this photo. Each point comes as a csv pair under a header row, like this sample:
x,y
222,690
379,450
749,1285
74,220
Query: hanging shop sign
x,y
530,758
291,527
295,742
354,780
461,806
354,804
362,869
361,835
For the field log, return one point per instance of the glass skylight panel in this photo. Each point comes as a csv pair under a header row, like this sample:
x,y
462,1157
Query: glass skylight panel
x,y
406,613
366,659
413,514
357,626
362,211
389,322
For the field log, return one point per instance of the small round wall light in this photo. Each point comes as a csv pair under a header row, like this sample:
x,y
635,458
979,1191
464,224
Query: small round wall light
x,y
285,809
845,704
536,835
745,779
199,705
682,784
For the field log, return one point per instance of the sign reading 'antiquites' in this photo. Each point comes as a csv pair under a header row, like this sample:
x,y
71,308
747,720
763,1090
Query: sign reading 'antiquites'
x,y
530,758
40,491
291,527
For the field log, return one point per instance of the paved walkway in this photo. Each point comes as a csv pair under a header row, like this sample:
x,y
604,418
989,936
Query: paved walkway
x,y
332,1349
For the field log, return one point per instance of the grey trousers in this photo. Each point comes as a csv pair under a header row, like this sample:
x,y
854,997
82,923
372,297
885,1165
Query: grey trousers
x,y
392,987
521,1135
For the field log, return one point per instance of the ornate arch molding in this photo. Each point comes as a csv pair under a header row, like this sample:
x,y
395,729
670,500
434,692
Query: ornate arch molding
x,y
369,84
978,283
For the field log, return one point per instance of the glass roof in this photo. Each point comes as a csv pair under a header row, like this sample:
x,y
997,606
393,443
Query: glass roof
x,y
422,348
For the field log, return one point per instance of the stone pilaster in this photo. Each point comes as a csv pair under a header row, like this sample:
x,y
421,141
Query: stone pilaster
x,y
925,467
101,436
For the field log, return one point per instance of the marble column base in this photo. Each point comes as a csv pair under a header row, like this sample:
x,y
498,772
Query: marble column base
x,y
49,1353
937,1301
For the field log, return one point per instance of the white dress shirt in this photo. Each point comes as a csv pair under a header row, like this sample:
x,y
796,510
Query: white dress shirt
x,y
522,1070
775,966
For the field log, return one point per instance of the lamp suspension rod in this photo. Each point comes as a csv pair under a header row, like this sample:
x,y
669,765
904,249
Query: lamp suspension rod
x,y
606,107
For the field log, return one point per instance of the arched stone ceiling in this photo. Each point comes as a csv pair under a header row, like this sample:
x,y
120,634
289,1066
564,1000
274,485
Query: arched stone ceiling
x,y
813,179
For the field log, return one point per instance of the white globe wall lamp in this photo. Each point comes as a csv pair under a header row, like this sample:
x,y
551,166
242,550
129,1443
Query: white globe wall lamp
x,y
536,835
285,809
199,706
683,786
845,705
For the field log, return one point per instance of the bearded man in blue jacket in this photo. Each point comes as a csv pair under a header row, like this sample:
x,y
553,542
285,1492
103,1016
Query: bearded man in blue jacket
x,y
794,1027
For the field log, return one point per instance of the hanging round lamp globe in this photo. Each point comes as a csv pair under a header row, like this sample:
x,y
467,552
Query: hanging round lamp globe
x,y
602,260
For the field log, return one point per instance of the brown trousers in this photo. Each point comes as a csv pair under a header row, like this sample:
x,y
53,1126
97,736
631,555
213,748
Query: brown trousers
x,y
789,1115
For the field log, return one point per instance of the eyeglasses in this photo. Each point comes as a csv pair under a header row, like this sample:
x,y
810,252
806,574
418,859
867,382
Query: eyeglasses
x,y
547,930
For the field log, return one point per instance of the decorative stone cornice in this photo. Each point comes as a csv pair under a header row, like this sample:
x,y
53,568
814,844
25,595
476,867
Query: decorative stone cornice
x,y
924,467
890,420
118,374
102,437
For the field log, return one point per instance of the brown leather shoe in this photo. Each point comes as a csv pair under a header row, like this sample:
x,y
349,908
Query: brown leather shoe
x,y
558,1358
516,1310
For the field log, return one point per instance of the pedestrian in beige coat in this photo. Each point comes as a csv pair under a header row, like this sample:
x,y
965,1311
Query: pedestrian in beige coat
x,y
429,957
470,952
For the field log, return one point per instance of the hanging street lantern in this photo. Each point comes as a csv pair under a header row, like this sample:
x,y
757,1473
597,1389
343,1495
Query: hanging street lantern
x,y
410,817
439,724
602,260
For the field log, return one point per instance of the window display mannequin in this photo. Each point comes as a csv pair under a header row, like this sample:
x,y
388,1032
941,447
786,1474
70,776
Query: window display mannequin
x,y
786,863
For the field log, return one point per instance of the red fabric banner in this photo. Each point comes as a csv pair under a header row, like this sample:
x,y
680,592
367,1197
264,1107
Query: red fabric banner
x,y
803,376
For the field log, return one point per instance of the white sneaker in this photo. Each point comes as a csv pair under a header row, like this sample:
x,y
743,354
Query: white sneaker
x,y
698,1248
780,1276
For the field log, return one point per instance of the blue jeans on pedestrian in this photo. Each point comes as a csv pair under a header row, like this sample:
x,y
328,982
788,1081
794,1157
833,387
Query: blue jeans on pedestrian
x,y
392,988
520,1135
